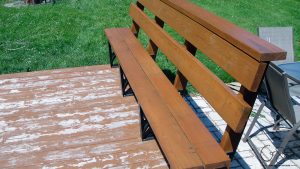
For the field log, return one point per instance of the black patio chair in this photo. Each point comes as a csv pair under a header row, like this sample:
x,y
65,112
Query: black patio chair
x,y
279,100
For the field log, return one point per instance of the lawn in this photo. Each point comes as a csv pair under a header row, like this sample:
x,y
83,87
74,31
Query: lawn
x,y
70,32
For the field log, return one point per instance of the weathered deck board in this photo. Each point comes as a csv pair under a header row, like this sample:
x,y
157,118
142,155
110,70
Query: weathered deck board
x,y
71,118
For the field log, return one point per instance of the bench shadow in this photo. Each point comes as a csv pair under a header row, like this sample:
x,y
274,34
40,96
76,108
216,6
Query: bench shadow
x,y
237,161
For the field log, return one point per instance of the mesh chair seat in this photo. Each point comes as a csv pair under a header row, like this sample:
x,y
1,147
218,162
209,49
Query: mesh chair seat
x,y
297,115
281,37
294,90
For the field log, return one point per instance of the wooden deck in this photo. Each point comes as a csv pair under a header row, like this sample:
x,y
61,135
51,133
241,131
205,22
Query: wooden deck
x,y
71,118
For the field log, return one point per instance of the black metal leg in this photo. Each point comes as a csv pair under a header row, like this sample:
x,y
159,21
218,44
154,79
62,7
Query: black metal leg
x,y
112,56
125,87
146,131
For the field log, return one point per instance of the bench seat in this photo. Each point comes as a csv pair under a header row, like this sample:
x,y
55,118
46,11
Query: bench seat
x,y
183,138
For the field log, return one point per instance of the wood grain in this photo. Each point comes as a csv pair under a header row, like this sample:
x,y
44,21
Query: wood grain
x,y
209,150
170,136
257,48
230,107
180,81
152,48
223,53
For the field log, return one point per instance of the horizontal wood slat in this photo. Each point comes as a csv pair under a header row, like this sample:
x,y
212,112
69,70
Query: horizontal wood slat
x,y
223,53
231,107
254,46
210,152
158,114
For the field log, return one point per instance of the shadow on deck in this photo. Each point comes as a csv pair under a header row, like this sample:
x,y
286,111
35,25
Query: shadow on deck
x,y
71,118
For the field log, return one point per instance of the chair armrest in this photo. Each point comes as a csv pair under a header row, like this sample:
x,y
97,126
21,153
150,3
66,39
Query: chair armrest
x,y
292,78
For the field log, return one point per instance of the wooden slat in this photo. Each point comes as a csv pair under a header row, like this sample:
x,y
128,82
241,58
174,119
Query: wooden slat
x,y
152,48
135,28
49,109
11,90
225,54
247,42
131,152
209,150
231,139
54,72
180,81
171,138
58,76
230,107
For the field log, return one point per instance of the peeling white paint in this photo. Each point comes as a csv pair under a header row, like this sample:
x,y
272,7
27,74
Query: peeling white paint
x,y
161,164
43,82
124,157
94,119
55,167
120,167
108,166
69,123
12,105
105,149
22,137
123,114
85,162
112,112
123,123
45,116
43,77
54,100
12,161
42,120
62,115
84,140
81,129
34,126
21,148
2,100
66,86
15,80
65,154
110,80
110,157
8,112
144,167
138,153
14,91
4,127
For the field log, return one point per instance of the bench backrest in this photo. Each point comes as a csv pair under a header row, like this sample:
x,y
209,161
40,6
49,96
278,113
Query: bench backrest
x,y
242,55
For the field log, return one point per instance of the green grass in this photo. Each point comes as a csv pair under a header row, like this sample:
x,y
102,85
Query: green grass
x,y
67,34
70,33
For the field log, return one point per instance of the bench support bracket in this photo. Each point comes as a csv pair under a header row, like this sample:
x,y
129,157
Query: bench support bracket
x,y
146,131
112,56
125,86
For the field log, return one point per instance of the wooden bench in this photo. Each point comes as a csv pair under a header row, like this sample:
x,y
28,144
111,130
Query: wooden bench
x,y
182,137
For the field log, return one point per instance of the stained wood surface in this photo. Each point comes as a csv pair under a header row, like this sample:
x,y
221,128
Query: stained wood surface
x,y
211,154
71,118
254,46
172,139
180,81
232,108
223,53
